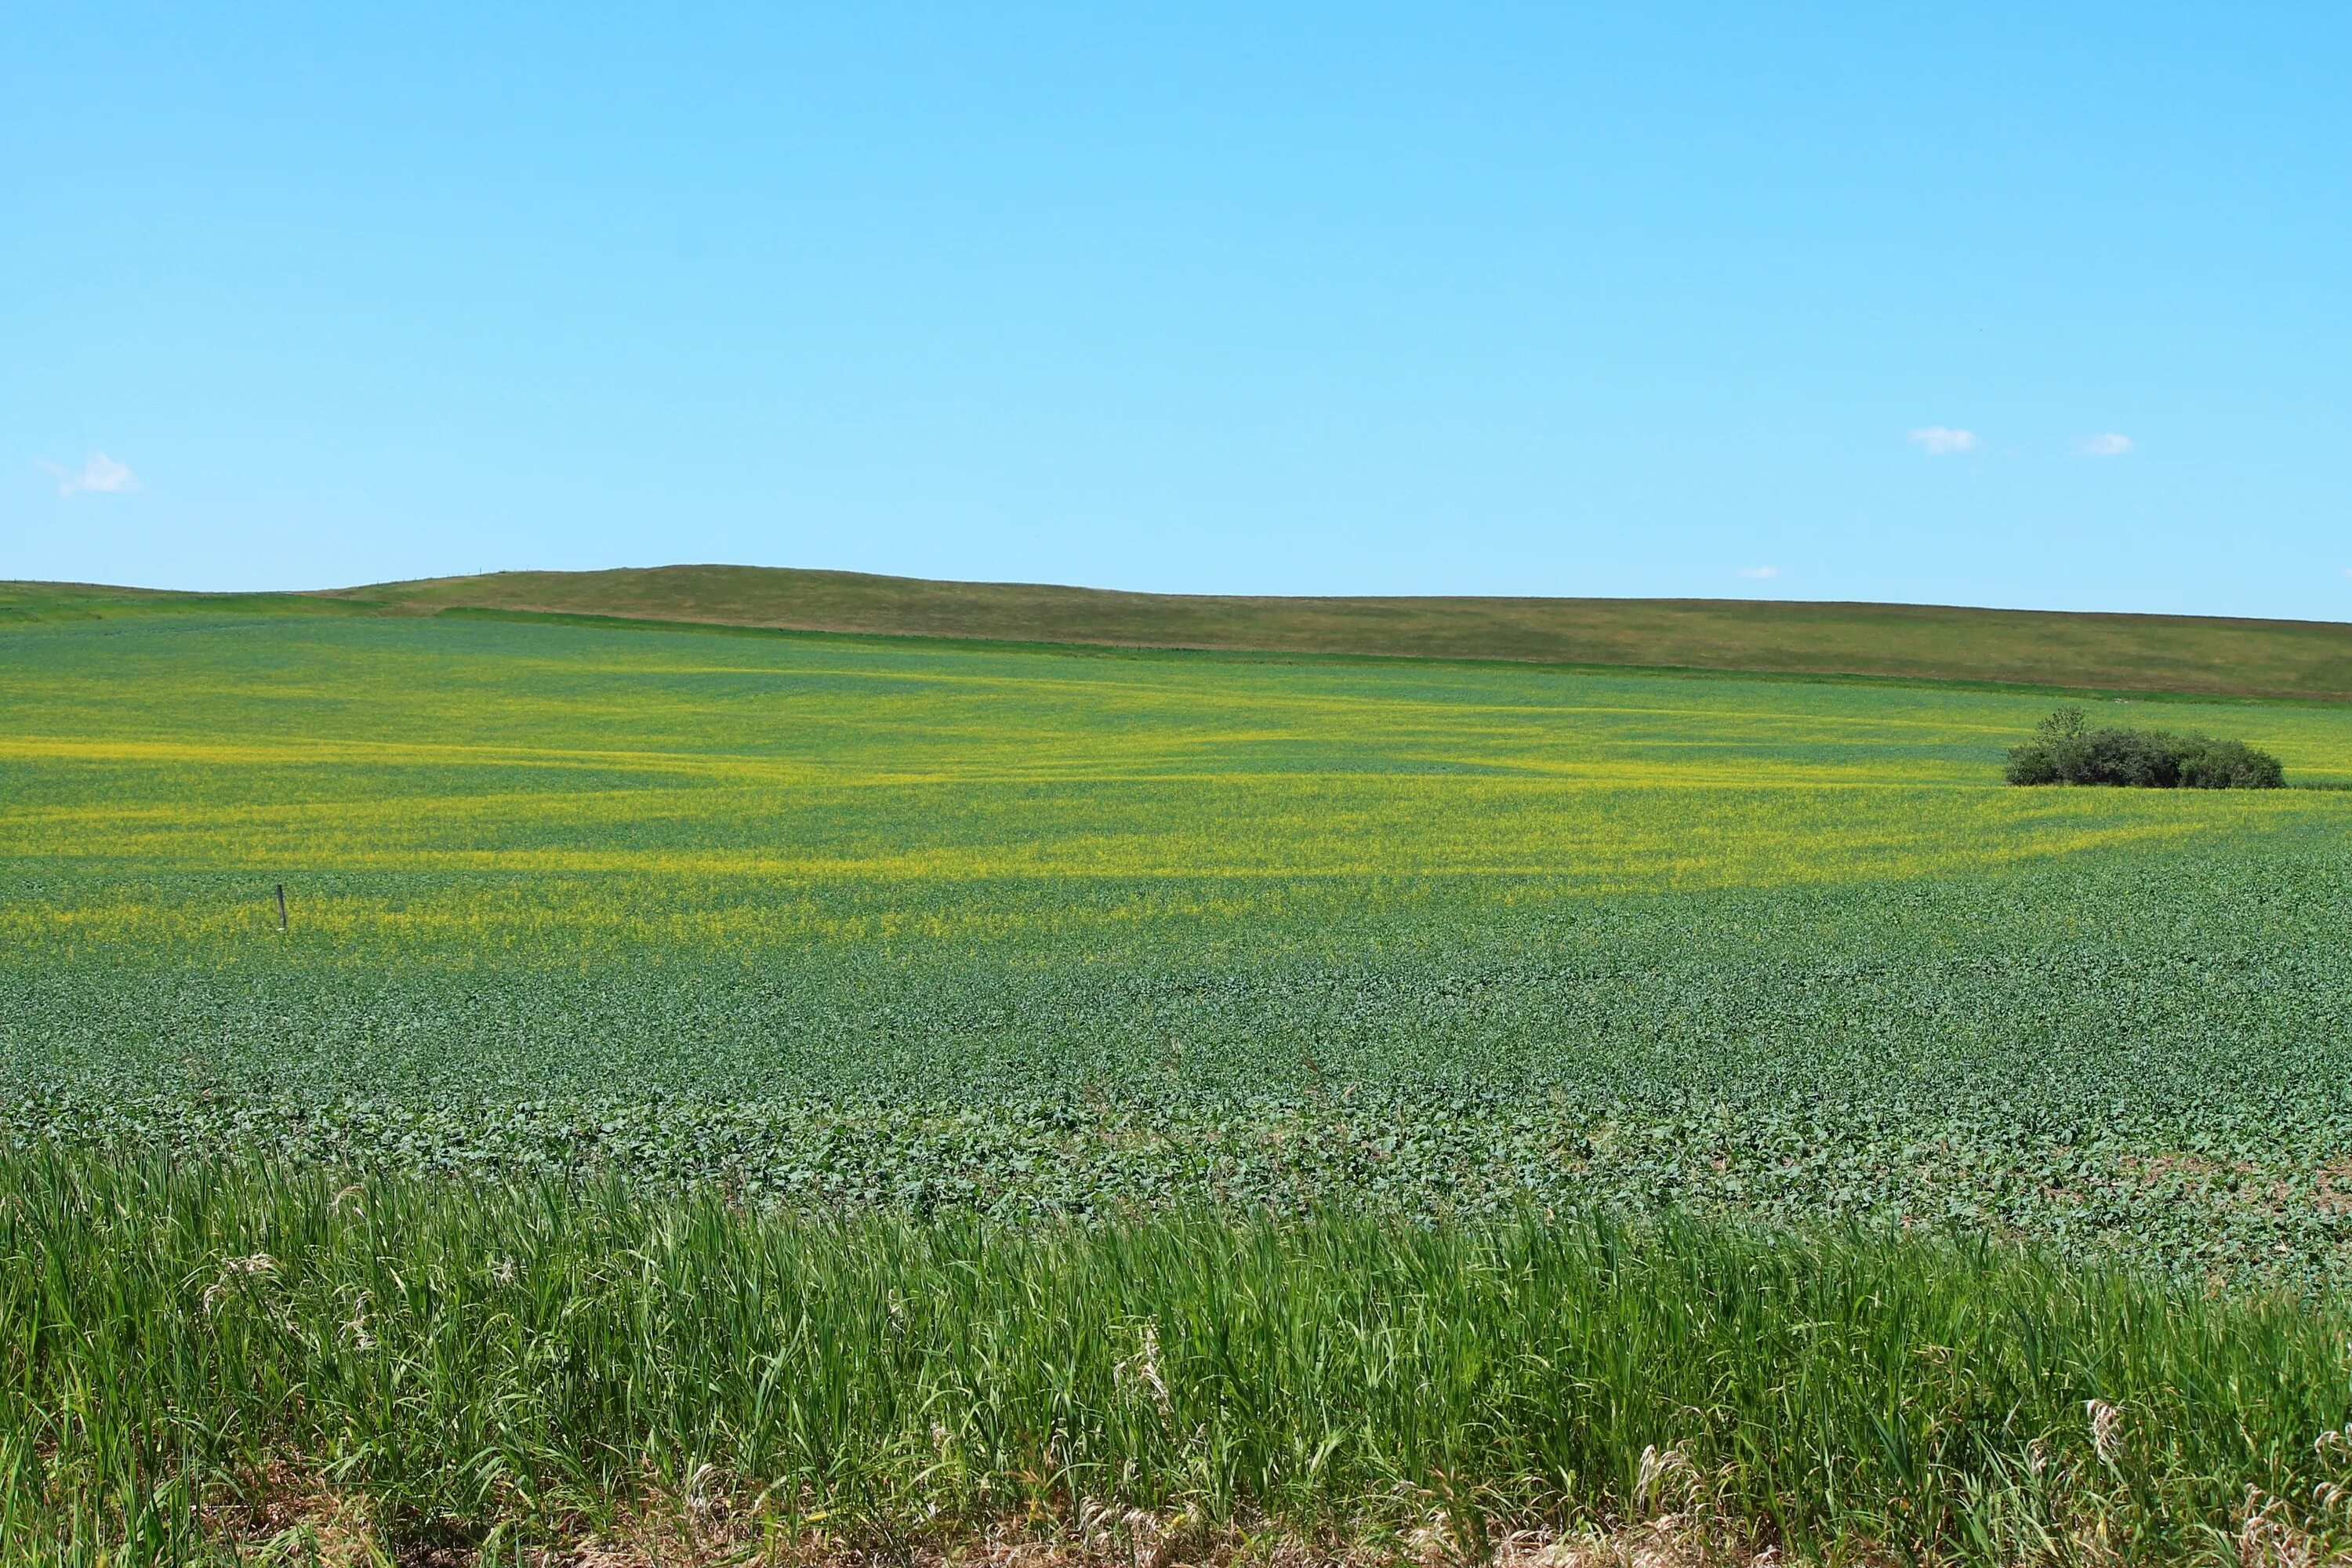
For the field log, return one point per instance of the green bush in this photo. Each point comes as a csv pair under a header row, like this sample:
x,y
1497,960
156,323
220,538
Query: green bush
x,y
2065,749
2229,765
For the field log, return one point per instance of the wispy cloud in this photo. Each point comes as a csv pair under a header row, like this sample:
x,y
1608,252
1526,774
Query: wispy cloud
x,y
1942,440
100,475
1759,574
2105,445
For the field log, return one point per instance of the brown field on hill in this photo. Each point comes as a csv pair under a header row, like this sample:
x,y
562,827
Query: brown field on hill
x,y
2210,656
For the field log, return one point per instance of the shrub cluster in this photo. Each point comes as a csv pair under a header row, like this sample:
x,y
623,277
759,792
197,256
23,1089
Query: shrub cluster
x,y
2065,748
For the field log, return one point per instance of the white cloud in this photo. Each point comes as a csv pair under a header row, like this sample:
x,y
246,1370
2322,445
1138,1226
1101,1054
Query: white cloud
x,y
2105,445
100,475
1760,574
1942,440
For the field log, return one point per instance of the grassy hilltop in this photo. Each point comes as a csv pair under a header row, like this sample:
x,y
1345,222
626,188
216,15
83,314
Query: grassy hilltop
x,y
2205,654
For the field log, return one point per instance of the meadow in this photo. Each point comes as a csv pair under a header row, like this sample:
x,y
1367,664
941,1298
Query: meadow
x,y
1086,950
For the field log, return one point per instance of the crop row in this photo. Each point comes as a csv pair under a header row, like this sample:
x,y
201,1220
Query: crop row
x,y
2152,1057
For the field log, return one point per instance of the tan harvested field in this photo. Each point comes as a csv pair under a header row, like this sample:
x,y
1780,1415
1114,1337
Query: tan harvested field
x,y
2211,655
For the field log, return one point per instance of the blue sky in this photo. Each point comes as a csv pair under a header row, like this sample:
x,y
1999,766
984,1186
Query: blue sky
x,y
2012,305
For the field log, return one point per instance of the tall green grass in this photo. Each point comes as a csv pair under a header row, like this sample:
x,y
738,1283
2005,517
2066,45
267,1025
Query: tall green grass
x,y
472,1363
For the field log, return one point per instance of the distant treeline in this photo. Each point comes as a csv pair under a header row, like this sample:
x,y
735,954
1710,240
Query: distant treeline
x,y
2066,749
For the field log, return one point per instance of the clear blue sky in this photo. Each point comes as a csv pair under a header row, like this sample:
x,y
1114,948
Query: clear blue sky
x,y
2014,304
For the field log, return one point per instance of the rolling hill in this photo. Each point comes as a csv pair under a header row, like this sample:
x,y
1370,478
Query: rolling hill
x,y
2210,655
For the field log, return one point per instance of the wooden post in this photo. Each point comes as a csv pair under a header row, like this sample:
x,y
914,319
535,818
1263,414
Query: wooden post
x,y
281,906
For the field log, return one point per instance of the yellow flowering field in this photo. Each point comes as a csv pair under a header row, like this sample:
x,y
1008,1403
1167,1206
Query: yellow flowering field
x,y
866,920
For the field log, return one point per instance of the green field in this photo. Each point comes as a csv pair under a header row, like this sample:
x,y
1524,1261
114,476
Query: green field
x,y
838,920
940,935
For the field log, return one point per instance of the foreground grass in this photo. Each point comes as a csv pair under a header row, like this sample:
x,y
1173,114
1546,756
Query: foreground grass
x,y
188,1347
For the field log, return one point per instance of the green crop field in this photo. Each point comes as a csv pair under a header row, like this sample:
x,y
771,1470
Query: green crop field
x,y
832,920
1055,947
